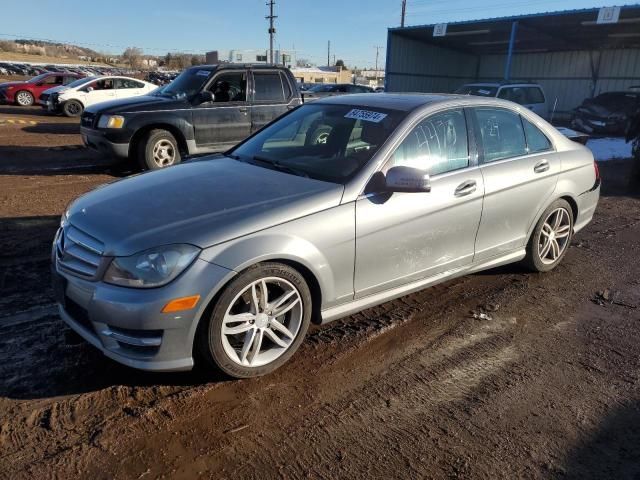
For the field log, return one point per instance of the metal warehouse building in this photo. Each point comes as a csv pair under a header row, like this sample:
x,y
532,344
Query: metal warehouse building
x,y
573,54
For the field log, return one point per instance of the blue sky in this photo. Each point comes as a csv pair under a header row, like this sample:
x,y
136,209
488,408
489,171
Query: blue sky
x,y
157,26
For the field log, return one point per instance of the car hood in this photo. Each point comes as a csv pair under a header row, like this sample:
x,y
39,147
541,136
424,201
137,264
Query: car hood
x,y
202,202
138,103
595,109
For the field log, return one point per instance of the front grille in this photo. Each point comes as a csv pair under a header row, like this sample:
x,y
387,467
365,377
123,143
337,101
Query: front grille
x,y
78,253
87,119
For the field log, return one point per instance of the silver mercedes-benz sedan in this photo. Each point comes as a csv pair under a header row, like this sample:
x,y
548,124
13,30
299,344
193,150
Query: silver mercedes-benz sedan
x,y
337,206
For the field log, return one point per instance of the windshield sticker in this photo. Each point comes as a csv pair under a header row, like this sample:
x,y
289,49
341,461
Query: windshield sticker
x,y
204,73
366,115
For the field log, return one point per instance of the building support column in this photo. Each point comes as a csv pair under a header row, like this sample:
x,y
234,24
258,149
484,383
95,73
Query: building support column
x,y
512,41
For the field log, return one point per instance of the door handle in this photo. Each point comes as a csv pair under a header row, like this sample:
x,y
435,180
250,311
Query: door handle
x,y
465,188
243,109
541,166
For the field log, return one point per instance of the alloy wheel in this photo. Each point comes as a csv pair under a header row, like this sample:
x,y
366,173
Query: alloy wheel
x,y
164,153
554,236
262,322
24,99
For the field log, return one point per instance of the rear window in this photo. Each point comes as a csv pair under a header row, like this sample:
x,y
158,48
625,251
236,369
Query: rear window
x,y
478,90
268,87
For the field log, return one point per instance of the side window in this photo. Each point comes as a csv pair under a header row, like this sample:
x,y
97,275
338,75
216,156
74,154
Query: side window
x,y
286,85
127,83
268,87
68,80
536,140
52,80
514,94
230,87
438,144
501,134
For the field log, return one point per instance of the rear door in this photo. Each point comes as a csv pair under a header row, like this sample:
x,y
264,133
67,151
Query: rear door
x,y
221,124
520,169
128,87
273,95
405,237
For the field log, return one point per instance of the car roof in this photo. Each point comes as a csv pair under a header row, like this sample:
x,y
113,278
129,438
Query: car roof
x,y
394,101
502,84
254,66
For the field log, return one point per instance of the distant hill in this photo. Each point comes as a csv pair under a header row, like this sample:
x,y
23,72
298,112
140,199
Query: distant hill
x,y
52,49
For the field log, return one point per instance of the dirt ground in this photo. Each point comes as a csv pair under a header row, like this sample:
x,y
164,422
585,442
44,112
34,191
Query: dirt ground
x,y
549,387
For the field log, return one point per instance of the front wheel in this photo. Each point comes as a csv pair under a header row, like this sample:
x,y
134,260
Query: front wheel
x,y
258,322
24,98
551,238
72,108
158,149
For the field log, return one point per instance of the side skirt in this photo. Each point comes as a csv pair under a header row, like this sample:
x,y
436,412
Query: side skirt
x,y
360,304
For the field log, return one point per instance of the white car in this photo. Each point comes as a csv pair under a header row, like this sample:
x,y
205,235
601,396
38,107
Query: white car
x,y
529,95
72,99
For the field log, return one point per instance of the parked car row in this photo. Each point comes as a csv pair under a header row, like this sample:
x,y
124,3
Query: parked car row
x,y
25,69
161,78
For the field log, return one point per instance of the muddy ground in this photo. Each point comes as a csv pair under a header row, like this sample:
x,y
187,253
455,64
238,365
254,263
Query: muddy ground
x,y
414,388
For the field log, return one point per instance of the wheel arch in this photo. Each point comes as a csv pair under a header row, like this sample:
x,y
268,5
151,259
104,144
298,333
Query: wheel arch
x,y
142,131
568,197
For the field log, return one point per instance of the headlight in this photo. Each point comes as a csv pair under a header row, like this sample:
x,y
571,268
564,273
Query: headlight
x,y
152,268
111,121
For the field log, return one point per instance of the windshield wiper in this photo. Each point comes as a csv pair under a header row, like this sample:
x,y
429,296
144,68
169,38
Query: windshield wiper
x,y
279,166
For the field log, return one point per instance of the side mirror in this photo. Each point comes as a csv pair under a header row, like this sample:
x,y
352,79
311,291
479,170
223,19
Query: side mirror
x,y
88,89
204,97
407,179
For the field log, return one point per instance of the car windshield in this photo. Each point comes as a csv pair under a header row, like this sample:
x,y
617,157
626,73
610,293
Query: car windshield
x,y
325,142
478,90
323,88
39,78
186,85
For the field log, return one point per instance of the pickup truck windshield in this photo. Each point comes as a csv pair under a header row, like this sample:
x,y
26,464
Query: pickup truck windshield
x,y
186,85
325,142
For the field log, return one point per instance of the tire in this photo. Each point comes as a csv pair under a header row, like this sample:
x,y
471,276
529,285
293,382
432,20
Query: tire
x,y
264,342
72,108
158,149
24,98
550,240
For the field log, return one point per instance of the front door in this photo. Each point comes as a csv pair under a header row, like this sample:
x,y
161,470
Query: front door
x,y
221,124
404,237
520,170
101,90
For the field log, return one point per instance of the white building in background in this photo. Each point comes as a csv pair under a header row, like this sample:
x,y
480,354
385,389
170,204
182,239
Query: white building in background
x,y
281,57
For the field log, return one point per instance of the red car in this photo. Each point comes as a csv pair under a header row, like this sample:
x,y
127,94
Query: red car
x,y
26,93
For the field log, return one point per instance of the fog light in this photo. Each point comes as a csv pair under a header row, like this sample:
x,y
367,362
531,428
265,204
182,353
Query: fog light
x,y
179,304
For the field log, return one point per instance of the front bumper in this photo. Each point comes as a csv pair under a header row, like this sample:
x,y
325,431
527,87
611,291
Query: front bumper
x,y
127,324
97,140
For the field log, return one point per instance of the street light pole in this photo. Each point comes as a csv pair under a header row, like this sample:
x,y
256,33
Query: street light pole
x,y
404,11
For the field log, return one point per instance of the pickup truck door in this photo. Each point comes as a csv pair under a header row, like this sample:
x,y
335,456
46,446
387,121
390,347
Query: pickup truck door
x,y
221,124
273,95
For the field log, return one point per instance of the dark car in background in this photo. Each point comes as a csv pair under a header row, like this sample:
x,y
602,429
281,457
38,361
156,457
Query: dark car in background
x,y
208,108
330,89
608,113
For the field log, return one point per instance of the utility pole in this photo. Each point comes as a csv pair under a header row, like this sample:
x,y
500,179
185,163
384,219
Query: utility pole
x,y
404,11
272,31
377,47
328,53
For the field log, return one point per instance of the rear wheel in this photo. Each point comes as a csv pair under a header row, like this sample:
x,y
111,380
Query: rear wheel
x,y
258,322
158,149
24,98
551,238
72,108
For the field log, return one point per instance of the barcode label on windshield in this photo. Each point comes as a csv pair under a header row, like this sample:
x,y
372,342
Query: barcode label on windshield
x,y
366,115
203,73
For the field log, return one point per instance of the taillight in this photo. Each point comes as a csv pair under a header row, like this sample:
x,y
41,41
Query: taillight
x,y
595,166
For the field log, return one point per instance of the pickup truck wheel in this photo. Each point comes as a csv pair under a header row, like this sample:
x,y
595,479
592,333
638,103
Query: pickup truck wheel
x,y
258,322
72,108
158,149
24,98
